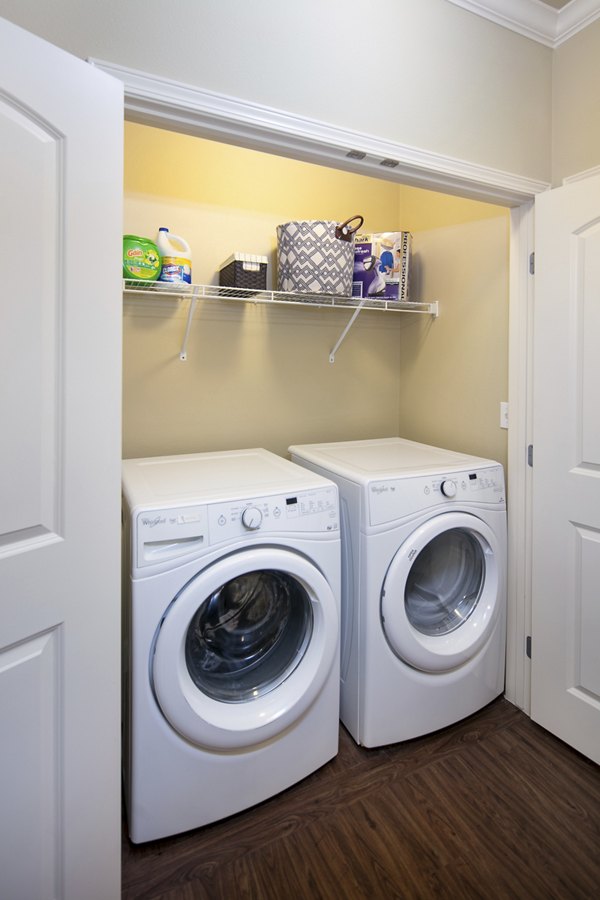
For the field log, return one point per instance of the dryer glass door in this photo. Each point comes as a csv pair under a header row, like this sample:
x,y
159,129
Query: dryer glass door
x,y
441,594
248,635
445,582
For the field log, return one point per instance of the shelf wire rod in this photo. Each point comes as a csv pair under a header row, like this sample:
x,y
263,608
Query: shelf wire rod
x,y
342,336
192,307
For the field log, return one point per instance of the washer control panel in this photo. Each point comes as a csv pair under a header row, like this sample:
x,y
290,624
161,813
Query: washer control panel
x,y
314,511
168,534
396,498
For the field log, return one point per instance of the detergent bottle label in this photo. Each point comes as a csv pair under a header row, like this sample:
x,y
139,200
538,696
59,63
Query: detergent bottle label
x,y
176,269
141,261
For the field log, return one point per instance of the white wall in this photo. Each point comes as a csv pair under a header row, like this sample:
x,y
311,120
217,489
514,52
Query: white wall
x,y
424,73
576,106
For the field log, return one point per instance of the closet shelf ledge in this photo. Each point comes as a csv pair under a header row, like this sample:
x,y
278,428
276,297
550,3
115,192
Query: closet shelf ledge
x,y
194,292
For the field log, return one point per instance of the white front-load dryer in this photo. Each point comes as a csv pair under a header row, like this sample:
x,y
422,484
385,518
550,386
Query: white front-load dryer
x,y
231,650
423,584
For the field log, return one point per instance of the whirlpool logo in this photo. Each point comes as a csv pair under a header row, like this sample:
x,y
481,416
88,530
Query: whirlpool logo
x,y
150,523
379,488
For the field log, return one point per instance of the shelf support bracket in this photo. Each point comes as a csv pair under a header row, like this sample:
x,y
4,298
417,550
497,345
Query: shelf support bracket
x,y
190,316
342,336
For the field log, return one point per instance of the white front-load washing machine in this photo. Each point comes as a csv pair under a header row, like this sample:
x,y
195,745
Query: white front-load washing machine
x,y
423,584
231,602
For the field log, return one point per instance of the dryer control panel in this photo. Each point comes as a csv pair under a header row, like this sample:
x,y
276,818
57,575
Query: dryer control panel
x,y
397,498
168,534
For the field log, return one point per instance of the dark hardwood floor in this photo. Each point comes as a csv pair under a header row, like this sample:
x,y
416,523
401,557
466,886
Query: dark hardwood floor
x,y
493,807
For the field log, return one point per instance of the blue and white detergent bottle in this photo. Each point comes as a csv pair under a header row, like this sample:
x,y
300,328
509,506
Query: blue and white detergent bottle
x,y
175,258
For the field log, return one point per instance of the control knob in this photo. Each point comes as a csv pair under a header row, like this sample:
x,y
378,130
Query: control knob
x,y
252,518
448,488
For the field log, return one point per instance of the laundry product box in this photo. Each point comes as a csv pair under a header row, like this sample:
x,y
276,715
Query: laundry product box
x,y
381,265
244,270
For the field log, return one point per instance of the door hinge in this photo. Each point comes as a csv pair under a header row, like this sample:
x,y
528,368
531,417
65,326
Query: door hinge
x,y
530,455
532,263
528,646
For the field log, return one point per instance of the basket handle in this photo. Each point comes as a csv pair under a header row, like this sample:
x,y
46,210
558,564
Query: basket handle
x,y
344,232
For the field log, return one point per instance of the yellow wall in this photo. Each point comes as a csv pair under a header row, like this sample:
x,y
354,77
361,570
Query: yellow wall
x,y
454,371
255,376
258,376
423,210
224,199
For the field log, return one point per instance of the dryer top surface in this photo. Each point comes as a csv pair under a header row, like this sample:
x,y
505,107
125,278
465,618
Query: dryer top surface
x,y
200,477
394,457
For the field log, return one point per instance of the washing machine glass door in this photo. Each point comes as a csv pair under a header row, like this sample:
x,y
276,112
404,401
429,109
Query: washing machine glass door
x,y
245,648
249,635
440,598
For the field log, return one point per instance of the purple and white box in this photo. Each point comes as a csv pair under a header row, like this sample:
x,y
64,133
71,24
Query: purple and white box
x,y
381,265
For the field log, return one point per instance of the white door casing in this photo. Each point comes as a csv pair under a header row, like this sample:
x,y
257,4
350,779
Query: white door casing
x,y
163,103
60,351
565,666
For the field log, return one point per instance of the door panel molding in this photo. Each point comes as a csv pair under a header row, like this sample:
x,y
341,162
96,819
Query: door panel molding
x,y
30,479
29,679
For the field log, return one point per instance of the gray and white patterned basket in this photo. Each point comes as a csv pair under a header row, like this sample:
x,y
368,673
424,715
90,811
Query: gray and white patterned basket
x,y
315,257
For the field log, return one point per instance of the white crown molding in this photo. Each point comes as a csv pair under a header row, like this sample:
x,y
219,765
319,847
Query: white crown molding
x,y
574,17
581,176
157,101
536,20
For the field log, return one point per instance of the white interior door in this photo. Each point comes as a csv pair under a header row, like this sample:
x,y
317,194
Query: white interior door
x,y
60,359
565,665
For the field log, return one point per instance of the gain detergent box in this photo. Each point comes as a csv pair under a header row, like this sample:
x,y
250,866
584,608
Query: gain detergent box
x,y
381,265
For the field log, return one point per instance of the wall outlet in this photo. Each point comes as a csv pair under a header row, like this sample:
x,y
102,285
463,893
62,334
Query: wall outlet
x,y
504,415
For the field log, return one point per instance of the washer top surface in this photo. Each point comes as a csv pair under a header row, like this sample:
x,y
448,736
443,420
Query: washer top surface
x,y
223,475
393,457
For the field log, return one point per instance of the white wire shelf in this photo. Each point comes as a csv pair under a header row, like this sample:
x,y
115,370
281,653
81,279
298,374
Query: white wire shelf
x,y
214,292
195,292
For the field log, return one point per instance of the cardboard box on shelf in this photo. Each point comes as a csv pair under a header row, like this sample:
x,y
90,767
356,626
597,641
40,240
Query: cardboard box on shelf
x,y
381,265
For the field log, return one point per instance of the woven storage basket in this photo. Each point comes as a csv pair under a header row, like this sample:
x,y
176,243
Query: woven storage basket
x,y
244,270
316,257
